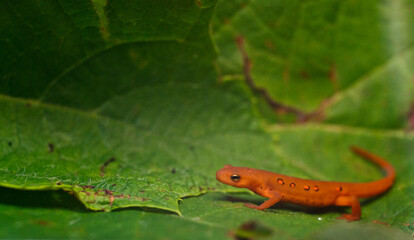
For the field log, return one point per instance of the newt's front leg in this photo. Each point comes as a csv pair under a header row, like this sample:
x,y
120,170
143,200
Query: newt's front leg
x,y
353,202
267,204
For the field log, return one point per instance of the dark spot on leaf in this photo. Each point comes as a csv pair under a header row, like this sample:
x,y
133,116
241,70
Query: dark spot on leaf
x,y
199,3
191,147
43,222
51,147
173,171
269,44
304,74
142,199
113,185
251,230
333,76
105,164
10,144
200,188
251,225
142,191
28,104
382,223
87,186
108,192
286,73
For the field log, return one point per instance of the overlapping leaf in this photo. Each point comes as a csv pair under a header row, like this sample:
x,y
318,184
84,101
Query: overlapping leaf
x,y
350,61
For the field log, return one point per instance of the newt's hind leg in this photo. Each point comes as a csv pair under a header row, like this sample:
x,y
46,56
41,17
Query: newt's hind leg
x,y
353,202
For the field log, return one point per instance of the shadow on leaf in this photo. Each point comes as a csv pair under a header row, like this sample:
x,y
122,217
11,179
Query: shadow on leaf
x,y
41,199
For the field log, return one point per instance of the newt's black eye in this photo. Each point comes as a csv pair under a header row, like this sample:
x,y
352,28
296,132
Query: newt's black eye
x,y
235,177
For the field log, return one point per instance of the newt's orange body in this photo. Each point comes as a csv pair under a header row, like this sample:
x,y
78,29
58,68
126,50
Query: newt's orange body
x,y
278,187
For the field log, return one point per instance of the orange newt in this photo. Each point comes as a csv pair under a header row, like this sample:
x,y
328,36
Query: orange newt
x,y
278,187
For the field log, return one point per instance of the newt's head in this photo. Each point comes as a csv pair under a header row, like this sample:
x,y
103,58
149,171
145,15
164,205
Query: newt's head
x,y
235,176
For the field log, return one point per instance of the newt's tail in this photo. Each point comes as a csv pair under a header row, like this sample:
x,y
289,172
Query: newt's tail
x,y
376,187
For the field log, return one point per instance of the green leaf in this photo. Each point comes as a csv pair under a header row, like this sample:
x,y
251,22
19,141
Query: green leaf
x,y
158,153
73,42
350,61
114,123
52,214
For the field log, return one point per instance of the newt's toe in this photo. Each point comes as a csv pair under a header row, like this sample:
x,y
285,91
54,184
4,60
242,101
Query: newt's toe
x,y
250,205
349,217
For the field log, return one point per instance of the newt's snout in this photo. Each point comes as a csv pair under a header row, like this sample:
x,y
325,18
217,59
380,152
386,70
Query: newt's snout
x,y
219,175
222,173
